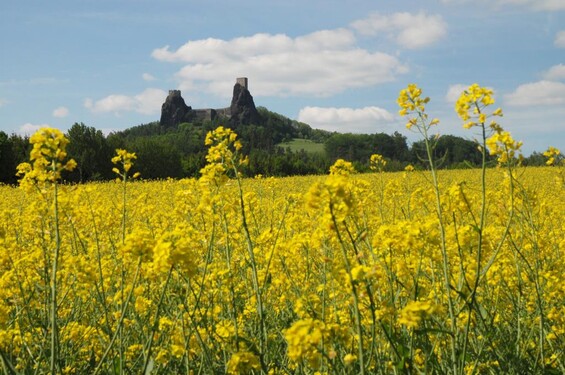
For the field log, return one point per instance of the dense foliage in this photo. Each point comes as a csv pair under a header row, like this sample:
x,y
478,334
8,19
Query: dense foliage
x,y
179,152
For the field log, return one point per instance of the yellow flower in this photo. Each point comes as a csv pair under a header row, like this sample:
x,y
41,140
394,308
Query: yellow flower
x,y
551,154
47,156
471,104
303,338
125,160
243,363
497,112
377,162
349,359
342,167
414,312
502,145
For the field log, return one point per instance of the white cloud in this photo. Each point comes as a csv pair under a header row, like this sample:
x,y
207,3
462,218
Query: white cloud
x,y
537,4
555,73
148,77
111,103
3,102
541,5
322,63
29,128
147,102
454,91
537,93
61,112
354,120
560,39
409,30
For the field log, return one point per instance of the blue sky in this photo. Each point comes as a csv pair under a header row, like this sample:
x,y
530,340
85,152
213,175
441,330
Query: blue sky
x,y
337,65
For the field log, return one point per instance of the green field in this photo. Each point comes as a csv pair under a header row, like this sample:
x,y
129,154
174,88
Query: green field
x,y
307,145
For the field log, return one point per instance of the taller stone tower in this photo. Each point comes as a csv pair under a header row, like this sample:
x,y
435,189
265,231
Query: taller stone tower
x,y
242,81
242,109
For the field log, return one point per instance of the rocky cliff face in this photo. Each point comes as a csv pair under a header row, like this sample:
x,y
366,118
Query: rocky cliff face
x,y
175,111
242,109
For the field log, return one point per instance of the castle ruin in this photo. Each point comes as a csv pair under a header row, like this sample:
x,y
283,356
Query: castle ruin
x,y
241,111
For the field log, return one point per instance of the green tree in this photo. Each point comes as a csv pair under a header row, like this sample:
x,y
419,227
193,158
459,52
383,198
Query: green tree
x,y
7,162
92,153
358,148
14,150
450,151
156,159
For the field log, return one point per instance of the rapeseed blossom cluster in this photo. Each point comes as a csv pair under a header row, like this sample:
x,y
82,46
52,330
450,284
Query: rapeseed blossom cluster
x,y
124,159
552,154
48,158
223,156
412,104
504,147
377,163
471,104
415,312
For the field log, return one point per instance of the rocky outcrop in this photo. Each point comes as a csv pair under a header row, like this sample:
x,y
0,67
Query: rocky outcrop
x,y
175,111
241,112
242,109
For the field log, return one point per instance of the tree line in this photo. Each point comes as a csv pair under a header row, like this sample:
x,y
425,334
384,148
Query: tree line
x,y
180,152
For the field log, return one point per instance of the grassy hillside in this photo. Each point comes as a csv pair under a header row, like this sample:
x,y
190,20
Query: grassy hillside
x,y
298,144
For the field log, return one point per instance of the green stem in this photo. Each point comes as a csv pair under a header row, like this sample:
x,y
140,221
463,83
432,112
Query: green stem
x,y
263,337
445,259
358,325
124,212
156,322
121,321
54,328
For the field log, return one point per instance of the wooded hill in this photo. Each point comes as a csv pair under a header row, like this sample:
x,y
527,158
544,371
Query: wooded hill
x,y
276,145
179,151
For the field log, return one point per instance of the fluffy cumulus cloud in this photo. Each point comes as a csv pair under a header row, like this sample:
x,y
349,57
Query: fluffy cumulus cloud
x,y
537,93
555,73
60,112
147,102
29,128
354,120
322,63
148,77
454,92
560,38
539,5
408,30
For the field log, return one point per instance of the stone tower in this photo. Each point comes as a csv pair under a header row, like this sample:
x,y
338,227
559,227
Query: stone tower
x,y
174,110
242,109
242,81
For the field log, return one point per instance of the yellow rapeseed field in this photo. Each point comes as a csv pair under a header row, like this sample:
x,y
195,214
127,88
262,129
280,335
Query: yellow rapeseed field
x,y
382,273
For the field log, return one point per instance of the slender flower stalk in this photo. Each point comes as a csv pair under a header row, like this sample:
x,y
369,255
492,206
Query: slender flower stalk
x,y
124,160
412,104
48,156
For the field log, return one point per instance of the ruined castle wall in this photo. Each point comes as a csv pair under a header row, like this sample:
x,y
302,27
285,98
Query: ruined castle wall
x,y
224,112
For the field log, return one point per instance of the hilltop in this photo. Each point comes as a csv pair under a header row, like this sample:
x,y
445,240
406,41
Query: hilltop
x,y
275,144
